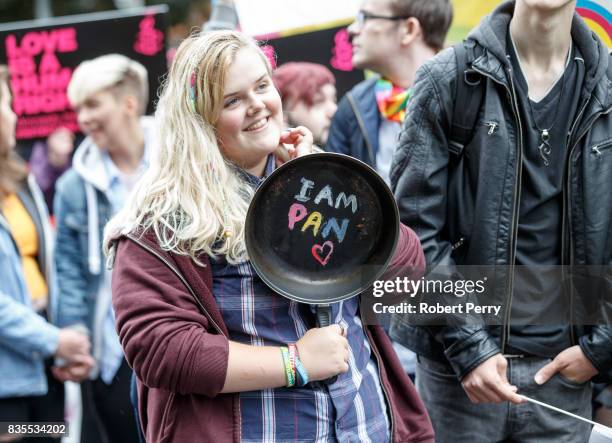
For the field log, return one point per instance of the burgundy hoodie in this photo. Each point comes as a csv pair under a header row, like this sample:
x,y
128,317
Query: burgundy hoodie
x,y
176,341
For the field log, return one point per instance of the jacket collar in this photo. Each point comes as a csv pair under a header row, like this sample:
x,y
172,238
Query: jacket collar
x,y
88,161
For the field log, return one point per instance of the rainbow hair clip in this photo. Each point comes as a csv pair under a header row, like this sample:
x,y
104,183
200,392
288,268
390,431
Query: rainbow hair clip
x,y
193,92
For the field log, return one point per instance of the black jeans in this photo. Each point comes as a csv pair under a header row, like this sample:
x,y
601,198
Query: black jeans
x,y
41,408
111,404
457,420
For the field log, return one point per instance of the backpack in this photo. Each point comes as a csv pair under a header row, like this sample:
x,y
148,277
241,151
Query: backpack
x,y
469,94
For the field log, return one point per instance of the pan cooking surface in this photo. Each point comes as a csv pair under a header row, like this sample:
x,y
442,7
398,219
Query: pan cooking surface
x,y
321,228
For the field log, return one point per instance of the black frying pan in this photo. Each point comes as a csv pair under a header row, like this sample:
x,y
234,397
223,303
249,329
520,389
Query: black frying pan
x,y
324,258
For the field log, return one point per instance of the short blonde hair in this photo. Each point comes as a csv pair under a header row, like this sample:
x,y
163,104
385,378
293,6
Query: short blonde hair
x,y
113,71
191,194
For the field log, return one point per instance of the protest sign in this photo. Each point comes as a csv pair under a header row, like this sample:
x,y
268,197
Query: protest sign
x,y
42,55
329,47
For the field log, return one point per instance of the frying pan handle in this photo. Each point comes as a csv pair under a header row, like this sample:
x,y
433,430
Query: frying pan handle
x,y
324,314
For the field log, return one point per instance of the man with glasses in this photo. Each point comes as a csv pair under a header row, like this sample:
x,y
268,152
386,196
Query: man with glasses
x,y
393,38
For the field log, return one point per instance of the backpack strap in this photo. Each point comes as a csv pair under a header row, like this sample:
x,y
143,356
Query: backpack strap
x,y
468,96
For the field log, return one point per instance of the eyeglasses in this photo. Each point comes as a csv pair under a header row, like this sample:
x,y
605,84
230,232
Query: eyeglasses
x,y
363,16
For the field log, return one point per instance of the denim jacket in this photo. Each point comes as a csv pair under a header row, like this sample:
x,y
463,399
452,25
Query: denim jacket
x,y
26,338
82,207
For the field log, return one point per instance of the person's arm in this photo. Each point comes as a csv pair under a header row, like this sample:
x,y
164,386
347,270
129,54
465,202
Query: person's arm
x,y
170,344
597,347
24,331
592,357
408,259
73,301
323,351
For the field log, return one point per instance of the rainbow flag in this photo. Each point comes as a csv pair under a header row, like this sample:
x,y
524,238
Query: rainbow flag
x,y
598,15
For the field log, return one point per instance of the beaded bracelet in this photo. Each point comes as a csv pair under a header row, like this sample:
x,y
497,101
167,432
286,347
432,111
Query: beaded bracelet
x,y
289,369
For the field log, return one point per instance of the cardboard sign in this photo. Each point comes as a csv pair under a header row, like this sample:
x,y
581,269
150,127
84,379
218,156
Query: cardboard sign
x,y
41,56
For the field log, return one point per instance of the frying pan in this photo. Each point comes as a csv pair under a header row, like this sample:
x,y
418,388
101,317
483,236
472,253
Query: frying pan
x,y
321,228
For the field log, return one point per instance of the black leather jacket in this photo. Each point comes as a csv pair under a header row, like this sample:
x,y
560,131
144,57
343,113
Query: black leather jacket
x,y
470,217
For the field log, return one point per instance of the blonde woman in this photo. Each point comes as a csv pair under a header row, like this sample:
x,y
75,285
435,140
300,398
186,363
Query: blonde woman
x,y
207,339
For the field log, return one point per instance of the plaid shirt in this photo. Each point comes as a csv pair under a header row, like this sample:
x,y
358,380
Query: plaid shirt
x,y
353,409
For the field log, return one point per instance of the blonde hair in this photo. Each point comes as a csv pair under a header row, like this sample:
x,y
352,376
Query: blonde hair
x,y
113,71
191,195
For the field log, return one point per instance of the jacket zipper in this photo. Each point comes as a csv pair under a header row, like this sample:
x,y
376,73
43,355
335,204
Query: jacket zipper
x,y
382,385
517,198
198,302
565,221
567,202
601,147
492,127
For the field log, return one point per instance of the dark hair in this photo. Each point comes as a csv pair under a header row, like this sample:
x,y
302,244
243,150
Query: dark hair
x,y
12,167
435,17
300,81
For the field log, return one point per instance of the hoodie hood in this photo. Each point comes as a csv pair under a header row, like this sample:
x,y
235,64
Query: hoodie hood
x,y
89,165
88,161
492,34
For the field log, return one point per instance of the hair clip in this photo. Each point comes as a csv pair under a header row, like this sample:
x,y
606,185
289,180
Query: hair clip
x,y
193,92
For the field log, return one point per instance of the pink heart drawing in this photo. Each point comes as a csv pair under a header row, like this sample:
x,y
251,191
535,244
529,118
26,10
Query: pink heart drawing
x,y
317,252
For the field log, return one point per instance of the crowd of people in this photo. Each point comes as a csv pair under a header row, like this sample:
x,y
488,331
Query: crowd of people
x,y
141,291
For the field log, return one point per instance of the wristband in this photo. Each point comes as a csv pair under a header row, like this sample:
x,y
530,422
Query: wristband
x,y
301,375
293,355
289,371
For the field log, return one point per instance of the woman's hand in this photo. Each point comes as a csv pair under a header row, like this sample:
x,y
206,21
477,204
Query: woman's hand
x,y
324,352
294,142
72,345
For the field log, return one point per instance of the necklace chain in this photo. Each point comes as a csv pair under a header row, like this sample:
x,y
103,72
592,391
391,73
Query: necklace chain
x,y
544,148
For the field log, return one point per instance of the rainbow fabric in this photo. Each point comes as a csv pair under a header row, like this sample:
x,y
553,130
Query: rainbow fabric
x,y
598,15
391,100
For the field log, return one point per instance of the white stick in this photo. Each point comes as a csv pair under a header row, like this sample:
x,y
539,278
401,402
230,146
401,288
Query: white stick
x,y
546,405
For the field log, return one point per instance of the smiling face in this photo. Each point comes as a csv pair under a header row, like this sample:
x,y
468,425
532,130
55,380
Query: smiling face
x,y
8,119
251,118
102,116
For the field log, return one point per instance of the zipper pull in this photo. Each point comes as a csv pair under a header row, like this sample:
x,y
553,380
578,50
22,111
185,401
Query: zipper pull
x,y
596,150
492,126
